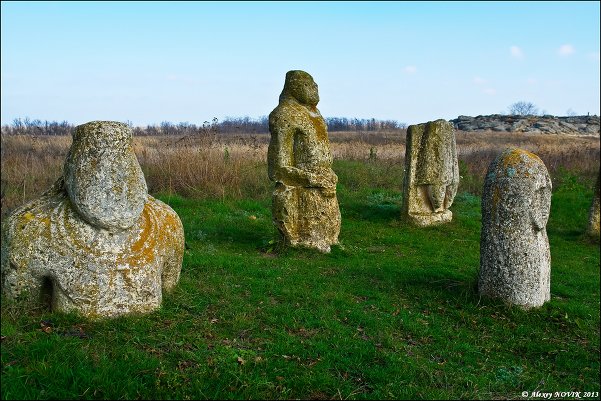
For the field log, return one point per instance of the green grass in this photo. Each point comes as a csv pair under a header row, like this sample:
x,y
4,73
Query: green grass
x,y
391,313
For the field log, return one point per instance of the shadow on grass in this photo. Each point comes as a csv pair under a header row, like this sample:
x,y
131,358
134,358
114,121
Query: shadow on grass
x,y
372,213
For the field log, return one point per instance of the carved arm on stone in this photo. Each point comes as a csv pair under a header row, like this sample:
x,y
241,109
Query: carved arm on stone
x,y
324,178
282,166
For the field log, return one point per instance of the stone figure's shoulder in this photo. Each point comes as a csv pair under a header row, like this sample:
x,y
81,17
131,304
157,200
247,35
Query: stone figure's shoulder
x,y
164,214
33,218
288,111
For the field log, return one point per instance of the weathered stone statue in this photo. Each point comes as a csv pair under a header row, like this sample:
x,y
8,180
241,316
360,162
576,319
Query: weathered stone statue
x,y
304,205
95,242
515,262
593,219
431,173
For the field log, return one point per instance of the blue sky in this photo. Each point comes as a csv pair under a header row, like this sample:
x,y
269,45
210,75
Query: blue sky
x,y
148,62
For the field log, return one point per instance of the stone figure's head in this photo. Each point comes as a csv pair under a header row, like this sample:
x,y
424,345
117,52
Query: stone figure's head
x,y
520,179
102,176
301,86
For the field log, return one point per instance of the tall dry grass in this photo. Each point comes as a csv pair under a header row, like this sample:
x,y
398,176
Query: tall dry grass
x,y
213,166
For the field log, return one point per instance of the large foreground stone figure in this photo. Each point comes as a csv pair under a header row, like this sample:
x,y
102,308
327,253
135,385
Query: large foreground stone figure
x,y
95,241
593,218
304,205
431,173
515,262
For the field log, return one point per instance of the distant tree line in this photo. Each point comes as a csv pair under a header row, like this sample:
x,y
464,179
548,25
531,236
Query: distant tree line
x,y
230,125
37,127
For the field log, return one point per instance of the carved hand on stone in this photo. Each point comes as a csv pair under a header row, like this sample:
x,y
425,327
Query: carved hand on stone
x,y
323,178
436,194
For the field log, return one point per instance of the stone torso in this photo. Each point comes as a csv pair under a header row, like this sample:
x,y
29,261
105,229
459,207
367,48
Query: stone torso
x,y
93,271
307,136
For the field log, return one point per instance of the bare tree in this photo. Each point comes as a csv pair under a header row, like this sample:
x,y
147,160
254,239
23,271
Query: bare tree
x,y
523,109
571,113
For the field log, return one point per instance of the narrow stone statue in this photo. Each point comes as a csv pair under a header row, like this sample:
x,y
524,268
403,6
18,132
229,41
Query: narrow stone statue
x,y
515,262
593,218
304,205
431,173
95,242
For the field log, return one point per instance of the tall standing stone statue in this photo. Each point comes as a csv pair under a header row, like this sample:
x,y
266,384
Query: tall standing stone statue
x,y
515,262
431,173
593,219
95,242
304,205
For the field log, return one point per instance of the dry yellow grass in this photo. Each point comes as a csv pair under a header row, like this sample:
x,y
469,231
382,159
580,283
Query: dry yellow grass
x,y
235,166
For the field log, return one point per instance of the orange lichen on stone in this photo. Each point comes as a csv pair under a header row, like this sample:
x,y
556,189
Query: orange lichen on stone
x,y
518,162
97,271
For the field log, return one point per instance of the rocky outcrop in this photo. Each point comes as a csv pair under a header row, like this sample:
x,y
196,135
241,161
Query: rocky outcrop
x,y
304,204
577,125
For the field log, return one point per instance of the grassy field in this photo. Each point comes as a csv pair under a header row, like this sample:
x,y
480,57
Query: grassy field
x,y
391,313
235,167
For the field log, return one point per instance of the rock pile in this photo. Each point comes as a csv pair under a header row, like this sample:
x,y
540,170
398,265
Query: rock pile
x,y
577,125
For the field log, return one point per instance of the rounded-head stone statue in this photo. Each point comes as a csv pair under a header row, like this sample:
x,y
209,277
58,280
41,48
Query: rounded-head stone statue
x,y
304,205
95,242
515,262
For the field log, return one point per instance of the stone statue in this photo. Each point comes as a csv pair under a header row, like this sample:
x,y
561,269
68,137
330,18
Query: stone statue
x,y
431,173
95,242
304,205
593,219
515,262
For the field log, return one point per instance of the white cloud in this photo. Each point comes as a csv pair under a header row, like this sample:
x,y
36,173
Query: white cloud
x,y
532,81
594,56
516,52
410,69
565,50
479,80
490,91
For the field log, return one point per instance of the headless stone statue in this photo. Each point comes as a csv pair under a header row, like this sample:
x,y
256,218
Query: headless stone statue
x,y
431,173
593,218
95,242
304,205
515,261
